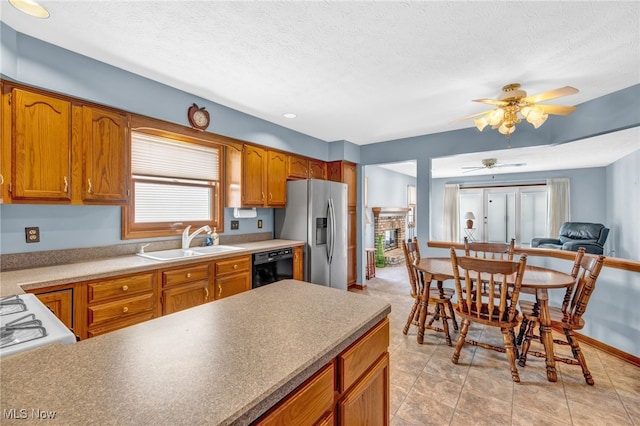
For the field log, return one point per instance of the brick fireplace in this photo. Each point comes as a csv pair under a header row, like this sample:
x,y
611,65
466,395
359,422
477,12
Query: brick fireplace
x,y
391,223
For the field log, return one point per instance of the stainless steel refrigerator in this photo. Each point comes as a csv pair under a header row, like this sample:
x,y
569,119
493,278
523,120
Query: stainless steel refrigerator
x,y
316,212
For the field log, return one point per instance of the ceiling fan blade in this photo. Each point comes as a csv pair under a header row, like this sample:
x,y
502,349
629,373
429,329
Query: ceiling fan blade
x,y
511,165
467,117
557,109
551,94
471,169
491,102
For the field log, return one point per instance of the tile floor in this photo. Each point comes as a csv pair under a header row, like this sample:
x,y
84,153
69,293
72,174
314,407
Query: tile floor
x,y
428,389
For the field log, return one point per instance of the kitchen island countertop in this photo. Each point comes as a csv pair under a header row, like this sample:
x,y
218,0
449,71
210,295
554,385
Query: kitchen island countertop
x,y
225,362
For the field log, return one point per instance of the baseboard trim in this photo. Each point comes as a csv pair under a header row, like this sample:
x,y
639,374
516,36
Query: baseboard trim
x,y
609,349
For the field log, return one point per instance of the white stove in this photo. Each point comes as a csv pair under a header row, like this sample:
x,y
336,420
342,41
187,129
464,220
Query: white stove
x,y
26,323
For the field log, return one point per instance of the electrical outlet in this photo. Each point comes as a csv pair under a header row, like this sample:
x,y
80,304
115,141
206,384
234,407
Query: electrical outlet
x,y
32,234
235,224
259,223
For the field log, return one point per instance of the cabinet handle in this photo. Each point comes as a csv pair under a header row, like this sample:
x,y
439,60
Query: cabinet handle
x,y
206,293
125,287
125,310
188,274
262,195
1,179
66,184
235,266
219,290
90,186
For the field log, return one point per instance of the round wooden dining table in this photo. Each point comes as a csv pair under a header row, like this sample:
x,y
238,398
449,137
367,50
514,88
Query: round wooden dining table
x,y
536,279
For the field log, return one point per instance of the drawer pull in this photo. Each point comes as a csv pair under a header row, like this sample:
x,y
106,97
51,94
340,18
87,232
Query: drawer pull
x,y
206,293
235,266
219,290
66,184
189,275
125,310
90,186
125,287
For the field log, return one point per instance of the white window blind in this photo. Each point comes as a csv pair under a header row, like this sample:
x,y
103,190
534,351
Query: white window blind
x,y
157,156
173,181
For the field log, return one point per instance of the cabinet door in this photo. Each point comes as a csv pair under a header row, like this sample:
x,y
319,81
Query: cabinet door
x,y
61,304
105,148
254,171
349,177
310,404
297,167
367,403
231,284
276,179
41,147
185,296
317,169
352,266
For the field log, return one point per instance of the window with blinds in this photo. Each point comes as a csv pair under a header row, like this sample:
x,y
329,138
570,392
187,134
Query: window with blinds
x,y
175,183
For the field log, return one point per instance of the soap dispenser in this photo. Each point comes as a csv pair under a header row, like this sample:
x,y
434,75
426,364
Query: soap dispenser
x,y
215,237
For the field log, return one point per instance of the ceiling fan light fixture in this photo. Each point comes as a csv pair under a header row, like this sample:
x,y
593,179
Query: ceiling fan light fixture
x,y
538,121
481,123
495,116
506,128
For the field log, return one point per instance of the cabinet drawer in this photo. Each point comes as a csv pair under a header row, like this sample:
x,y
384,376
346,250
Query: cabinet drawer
x,y
358,358
113,288
183,275
120,308
309,404
229,266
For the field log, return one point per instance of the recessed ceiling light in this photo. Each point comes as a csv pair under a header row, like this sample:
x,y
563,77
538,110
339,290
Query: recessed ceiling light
x,y
289,115
30,7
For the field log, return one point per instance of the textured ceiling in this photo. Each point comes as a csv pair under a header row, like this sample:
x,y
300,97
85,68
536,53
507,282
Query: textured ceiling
x,y
358,71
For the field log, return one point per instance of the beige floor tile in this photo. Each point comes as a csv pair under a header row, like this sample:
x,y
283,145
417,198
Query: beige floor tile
x,y
528,417
484,406
420,410
466,418
587,415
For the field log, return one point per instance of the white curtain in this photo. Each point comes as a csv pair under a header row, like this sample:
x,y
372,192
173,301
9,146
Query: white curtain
x,y
559,210
451,212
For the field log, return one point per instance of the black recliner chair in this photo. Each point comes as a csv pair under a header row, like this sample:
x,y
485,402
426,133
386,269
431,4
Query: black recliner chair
x,y
574,235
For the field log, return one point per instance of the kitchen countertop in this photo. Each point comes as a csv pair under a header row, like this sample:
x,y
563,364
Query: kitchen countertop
x,y
224,362
18,281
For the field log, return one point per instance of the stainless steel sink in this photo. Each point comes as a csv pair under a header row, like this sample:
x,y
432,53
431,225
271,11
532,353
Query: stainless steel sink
x,y
215,249
175,254
170,254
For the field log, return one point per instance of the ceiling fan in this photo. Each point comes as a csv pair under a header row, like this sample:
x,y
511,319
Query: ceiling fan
x,y
513,105
491,163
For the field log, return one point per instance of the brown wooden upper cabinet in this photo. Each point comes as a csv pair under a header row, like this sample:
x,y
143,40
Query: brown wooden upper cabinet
x,y
255,177
41,146
299,167
105,152
55,150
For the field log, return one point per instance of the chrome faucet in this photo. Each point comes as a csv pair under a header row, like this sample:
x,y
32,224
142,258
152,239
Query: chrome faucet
x,y
186,238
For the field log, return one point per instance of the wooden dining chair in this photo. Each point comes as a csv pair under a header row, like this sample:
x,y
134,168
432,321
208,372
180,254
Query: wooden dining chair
x,y
439,297
532,307
568,317
486,250
496,306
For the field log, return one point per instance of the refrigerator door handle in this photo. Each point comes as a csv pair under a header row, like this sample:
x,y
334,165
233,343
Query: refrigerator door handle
x,y
329,231
332,229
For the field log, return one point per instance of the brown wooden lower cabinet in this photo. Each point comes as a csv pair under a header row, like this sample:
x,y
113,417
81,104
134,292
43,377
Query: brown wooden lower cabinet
x,y
358,380
233,276
185,287
61,304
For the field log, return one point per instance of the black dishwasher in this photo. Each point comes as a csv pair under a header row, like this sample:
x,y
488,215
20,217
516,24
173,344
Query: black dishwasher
x,y
271,266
